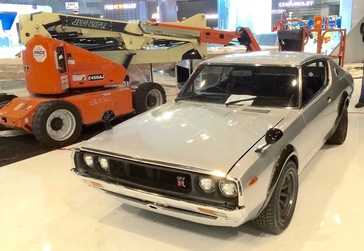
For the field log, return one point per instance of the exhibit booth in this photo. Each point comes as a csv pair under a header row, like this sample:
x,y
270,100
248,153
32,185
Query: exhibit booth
x,y
9,39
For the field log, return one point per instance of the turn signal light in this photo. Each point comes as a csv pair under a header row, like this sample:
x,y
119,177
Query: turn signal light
x,y
211,212
93,183
252,181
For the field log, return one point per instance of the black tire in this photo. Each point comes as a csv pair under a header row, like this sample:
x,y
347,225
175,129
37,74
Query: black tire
x,y
148,96
277,215
57,123
341,131
4,100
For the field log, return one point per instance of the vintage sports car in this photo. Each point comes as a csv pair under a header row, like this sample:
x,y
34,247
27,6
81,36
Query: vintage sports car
x,y
230,148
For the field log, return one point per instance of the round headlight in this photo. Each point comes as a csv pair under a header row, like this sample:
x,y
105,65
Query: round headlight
x,y
88,160
228,188
104,163
207,184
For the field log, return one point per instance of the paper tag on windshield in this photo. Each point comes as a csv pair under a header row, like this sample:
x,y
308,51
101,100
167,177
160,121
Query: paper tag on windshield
x,y
245,99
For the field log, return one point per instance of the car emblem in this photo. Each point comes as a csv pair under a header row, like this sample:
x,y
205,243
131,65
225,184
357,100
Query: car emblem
x,y
181,181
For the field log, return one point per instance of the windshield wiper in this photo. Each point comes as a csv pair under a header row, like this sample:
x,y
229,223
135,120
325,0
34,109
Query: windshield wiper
x,y
239,100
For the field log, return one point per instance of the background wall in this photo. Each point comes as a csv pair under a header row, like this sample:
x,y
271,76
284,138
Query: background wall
x,y
167,11
354,50
358,11
245,13
352,12
190,8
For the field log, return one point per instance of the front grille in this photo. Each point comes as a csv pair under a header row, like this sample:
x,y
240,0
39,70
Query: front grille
x,y
150,176
175,183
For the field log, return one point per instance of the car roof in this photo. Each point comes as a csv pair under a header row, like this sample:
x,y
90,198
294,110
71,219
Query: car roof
x,y
274,58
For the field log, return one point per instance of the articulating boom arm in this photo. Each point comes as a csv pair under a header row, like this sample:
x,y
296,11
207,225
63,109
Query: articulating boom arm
x,y
186,39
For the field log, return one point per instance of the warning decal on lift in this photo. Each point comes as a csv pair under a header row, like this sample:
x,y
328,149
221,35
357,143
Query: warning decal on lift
x,y
39,53
64,82
78,77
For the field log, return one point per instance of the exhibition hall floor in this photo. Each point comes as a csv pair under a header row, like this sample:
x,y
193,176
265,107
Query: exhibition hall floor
x,y
45,207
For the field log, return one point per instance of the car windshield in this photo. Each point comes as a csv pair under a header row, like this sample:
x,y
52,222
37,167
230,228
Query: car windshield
x,y
243,85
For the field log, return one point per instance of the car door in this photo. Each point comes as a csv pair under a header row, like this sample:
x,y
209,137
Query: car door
x,y
316,111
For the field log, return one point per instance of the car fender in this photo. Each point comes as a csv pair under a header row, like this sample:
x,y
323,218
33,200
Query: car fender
x,y
287,152
344,100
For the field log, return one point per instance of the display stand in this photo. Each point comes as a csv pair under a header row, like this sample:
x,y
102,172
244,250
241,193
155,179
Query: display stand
x,y
293,35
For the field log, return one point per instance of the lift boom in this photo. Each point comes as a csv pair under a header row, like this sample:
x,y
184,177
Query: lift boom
x,y
187,39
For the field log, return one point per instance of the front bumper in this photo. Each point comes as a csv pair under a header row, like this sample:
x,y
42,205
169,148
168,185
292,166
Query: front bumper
x,y
167,206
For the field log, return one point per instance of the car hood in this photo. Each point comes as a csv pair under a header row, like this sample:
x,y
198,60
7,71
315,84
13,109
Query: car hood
x,y
184,134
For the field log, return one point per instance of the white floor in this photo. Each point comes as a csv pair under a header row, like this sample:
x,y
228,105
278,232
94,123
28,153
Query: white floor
x,y
44,207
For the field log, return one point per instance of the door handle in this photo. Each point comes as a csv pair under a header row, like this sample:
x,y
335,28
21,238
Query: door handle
x,y
329,100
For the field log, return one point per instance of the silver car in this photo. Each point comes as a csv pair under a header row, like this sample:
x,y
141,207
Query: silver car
x,y
230,148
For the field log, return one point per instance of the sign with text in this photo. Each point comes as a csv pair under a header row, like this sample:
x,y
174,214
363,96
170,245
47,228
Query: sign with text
x,y
300,9
295,4
71,5
124,6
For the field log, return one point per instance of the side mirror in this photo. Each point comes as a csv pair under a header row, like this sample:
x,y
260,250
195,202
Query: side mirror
x,y
271,136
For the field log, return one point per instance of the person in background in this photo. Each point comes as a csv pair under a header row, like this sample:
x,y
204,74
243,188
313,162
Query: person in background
x,y
360,104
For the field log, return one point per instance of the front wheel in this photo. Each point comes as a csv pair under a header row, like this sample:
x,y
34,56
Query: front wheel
x,y
277,215
147,96
57,123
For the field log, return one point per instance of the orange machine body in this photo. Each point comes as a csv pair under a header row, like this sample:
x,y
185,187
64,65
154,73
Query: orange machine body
x,y
56,70
54,67
19,112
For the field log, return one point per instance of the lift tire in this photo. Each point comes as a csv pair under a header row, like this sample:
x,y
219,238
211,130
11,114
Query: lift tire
x,y
277,215
57,123
4,100
148,96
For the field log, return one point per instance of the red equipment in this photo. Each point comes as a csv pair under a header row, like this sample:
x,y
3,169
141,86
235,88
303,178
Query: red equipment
x,y
296,39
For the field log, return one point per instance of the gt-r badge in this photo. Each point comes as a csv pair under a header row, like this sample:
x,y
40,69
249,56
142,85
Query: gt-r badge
x,y
181,181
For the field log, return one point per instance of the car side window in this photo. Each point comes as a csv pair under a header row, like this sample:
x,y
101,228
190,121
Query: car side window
x,y
314,79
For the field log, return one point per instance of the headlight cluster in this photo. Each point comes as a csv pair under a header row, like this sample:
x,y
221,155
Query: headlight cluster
x,y
227,188
207,184
90,161
104,163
